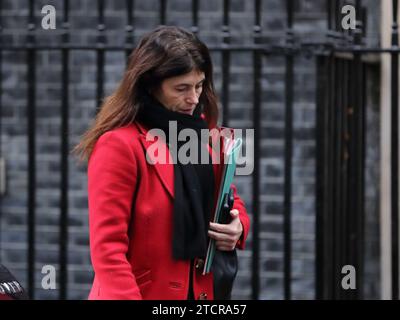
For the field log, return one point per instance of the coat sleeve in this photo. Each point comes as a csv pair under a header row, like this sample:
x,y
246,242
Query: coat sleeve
x,y
244,218
112,176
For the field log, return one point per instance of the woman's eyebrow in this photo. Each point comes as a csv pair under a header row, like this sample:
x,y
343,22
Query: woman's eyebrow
x,y
189,84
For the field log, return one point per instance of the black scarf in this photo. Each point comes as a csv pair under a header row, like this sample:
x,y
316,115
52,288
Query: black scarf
x,y
194,183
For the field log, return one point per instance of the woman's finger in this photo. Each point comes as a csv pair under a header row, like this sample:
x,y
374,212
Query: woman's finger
x,y
232,229
219,236
234,213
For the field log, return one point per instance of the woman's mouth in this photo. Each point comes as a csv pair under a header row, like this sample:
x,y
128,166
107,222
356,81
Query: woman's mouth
x,y
187,111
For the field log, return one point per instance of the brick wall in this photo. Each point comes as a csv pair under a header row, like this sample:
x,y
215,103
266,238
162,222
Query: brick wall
x,y
310,16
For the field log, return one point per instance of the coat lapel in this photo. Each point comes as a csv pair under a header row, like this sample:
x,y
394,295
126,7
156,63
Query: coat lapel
x,y
164,171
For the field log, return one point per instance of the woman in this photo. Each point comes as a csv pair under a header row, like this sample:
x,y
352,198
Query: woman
x,y
149,221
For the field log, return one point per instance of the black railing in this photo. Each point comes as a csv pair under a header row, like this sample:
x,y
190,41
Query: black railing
x,y
340,165
64,155
257,68
31,82
289,86
340,134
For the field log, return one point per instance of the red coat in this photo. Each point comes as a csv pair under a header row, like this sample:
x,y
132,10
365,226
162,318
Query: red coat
x,y
131,234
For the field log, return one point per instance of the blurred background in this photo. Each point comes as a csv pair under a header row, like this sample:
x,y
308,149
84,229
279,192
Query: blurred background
x,y
320,97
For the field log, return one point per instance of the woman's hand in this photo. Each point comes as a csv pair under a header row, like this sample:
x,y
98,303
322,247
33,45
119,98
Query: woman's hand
x,y
227,235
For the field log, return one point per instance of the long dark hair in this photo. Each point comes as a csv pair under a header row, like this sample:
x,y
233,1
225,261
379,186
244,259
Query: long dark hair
x,y
162,53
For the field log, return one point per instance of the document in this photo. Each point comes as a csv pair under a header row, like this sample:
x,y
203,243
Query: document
x,y
231,152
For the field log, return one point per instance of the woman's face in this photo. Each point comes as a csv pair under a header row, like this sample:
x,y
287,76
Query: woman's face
x,y
181,93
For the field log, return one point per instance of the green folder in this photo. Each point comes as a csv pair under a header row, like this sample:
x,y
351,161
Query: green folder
x,y
228,173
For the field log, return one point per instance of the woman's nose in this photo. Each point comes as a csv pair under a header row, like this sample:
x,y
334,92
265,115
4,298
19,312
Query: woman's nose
x,y
193,97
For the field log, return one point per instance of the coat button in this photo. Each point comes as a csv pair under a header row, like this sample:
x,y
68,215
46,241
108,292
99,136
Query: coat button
x,y
203,296
199,264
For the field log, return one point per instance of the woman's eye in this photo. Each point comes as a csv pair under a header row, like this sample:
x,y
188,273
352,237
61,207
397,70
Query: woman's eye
x,y
180,89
